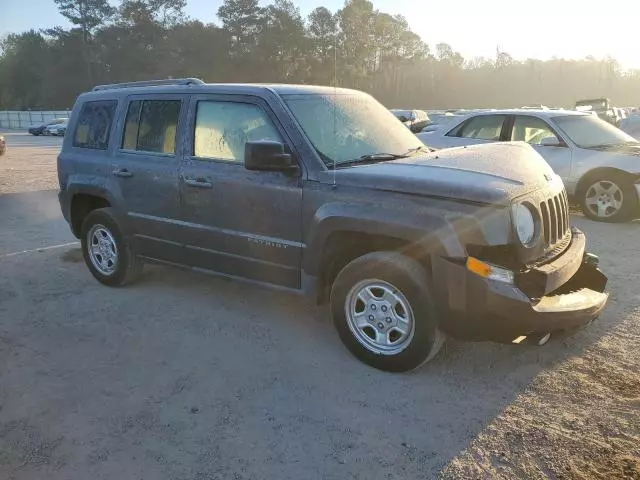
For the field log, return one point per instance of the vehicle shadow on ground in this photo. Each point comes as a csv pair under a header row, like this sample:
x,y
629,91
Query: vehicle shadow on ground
x,y
434,412
276,392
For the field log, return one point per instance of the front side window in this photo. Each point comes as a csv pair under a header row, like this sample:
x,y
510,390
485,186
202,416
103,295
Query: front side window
x,y
483,127
151,126
94,125
531,130
223,128
345,127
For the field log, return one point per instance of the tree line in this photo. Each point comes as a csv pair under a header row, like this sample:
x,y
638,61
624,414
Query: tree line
x,y
357,46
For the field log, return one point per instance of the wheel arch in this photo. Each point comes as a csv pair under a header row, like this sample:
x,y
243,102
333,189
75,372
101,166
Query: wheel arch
x,y
81,205
627,181
343,246
601,172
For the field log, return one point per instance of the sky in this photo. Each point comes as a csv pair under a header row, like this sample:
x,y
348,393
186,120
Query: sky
x,y
525,29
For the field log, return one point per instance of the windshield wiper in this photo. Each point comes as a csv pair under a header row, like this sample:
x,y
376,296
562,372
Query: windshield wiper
x,y
420,148
380,157
372,158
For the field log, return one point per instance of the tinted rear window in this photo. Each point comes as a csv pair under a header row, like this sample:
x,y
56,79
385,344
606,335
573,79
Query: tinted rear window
x,y
151,126
94,125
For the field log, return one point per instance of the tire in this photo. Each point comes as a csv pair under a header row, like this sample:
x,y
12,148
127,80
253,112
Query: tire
x,y
394,285
608,191
100,227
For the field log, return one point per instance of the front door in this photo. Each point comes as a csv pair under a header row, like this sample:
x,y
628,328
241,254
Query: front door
x,y
145,169
533,130
235,221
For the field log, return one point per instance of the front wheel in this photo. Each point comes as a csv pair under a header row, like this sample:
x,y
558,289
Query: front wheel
x,y
108,256
383,312
611,198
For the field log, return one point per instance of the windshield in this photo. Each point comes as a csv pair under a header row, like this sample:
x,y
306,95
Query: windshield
x,y
345,127
587,131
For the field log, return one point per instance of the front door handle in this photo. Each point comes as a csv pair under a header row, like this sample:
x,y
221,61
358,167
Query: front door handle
x,y
122,173
198,183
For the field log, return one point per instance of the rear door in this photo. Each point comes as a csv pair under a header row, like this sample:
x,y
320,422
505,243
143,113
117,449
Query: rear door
x,y
238,222
145,170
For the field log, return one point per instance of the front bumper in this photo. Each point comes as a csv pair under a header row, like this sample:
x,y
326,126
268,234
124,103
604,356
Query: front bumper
x,y
560,295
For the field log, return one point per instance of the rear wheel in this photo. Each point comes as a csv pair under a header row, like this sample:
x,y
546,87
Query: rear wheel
x,y
611,198
383,312
108,256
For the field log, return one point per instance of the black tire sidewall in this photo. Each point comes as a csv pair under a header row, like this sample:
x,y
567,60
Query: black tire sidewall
x,y
629,208
415,290
104,217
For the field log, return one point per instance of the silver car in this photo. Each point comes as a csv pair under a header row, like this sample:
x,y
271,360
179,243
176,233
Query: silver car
x,y
598,162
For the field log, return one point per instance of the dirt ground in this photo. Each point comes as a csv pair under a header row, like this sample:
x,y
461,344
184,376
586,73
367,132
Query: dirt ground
x,y
186,376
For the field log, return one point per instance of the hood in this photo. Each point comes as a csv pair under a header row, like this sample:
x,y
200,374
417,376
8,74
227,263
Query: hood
x,y
493,173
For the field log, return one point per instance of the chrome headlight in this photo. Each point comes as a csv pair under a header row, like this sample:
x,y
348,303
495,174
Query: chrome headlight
x,y
524,223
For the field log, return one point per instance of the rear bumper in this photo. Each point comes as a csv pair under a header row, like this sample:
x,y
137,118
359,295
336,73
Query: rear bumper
x,y
65,205
477,308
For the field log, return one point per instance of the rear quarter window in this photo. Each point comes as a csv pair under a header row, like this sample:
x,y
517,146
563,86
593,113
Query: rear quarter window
x,y
94,124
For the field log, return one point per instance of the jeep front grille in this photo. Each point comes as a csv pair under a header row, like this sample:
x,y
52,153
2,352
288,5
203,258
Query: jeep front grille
x,y
555,218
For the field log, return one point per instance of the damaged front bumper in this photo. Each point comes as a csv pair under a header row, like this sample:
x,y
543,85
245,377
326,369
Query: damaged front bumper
x,y
563,294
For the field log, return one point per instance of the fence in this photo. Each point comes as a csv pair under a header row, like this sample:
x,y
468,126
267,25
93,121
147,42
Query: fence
x,y
12,119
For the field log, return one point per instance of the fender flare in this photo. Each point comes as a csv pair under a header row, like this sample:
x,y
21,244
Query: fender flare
x,y
429,228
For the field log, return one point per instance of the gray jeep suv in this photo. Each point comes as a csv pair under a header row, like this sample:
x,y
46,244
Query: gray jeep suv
x,y
322,191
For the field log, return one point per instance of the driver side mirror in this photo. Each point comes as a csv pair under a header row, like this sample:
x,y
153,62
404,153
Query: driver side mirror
x,y
551,142
268,156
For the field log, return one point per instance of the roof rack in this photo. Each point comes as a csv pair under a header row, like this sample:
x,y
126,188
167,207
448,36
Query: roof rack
x,y
150,83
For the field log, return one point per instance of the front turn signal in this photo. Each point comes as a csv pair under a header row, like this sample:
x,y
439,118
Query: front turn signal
x,y
486,270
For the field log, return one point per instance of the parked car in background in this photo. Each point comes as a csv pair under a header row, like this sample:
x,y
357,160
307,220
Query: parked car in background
x,y
57,129
40,129
631,125
439,120
598,162
3,145
602,107
323,192
414,120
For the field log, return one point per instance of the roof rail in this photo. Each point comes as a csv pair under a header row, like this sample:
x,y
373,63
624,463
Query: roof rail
x,y
150,83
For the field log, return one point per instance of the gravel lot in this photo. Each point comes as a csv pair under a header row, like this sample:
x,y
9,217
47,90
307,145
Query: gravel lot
x,y
186,376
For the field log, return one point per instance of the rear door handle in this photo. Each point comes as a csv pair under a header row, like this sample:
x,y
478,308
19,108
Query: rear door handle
x,y
122,173
198,182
